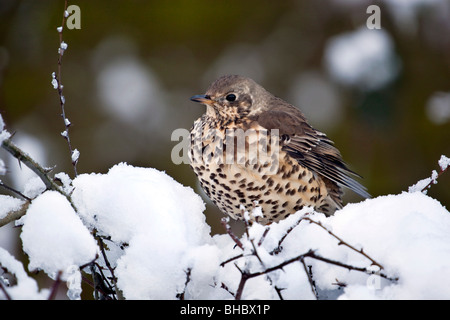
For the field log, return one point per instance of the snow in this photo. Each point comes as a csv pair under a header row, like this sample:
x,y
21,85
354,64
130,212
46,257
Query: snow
x,y
3,133
9,204
160,246
26,287
75,156
3,169
157,217
53,236
54,81
444,162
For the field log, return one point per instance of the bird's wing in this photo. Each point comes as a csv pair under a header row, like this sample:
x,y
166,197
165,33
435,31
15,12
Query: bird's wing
x,y
311,148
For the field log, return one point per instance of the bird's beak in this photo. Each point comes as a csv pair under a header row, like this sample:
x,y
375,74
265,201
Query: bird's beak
x,y
202,98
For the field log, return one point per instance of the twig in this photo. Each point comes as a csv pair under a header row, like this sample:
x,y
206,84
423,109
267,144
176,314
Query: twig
x,y
224,286
342,242
227,227
14,215
110,268
311,254
92,285
310,279
20,155
231,259
278,248
20,194
5,292
180,296
55,286
59,86
433,181
41,172
266,231
245,275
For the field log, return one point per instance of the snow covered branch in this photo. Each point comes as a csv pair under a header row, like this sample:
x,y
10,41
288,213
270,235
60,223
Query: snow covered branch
x,y
425,184
246,274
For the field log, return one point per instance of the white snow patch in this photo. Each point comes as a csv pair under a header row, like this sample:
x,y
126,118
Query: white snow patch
x,y
54,237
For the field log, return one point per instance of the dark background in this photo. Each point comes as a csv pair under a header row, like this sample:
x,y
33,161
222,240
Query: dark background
x,y
129,72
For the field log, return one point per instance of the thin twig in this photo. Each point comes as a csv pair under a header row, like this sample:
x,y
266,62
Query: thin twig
x,y
20,194
278,248
342,242
310,254
266,231
231,259
310,279
92,285
433,181
22,156
55,286
60,87
180,296
227,227
5,292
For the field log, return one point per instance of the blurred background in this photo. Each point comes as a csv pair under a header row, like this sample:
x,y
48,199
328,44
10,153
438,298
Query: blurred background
x,y
383,95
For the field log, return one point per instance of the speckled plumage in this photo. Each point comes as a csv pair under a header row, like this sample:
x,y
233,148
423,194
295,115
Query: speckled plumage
x,y
283,164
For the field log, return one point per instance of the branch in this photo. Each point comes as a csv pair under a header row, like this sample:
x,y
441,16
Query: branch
x,y
41,172
14,215
180,296
5,292
227,227
57,84
55,286
342,242
23,157
20,194
310,254
310,279
433,180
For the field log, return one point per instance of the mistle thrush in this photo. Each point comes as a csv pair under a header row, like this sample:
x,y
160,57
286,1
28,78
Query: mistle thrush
x,y
251,149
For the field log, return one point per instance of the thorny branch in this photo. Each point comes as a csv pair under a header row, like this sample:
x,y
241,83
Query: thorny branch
x,y
246,274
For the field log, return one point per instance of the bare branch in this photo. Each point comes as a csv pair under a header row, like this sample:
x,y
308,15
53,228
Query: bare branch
x,y
55,286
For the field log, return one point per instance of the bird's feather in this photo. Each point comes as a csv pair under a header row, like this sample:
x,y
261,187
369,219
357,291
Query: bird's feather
x,y
310,147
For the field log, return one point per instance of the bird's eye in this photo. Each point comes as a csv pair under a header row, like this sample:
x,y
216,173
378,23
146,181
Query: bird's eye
x,y
230,97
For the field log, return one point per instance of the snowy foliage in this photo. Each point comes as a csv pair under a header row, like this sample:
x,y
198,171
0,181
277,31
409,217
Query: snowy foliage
x,y
148,233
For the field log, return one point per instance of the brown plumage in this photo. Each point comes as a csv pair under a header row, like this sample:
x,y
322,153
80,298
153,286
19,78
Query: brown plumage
x,y
308,171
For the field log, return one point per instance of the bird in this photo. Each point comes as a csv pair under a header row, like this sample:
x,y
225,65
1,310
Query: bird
x,y
251,149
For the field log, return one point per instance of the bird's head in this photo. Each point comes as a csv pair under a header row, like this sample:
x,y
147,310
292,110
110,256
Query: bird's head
x,y
232,97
